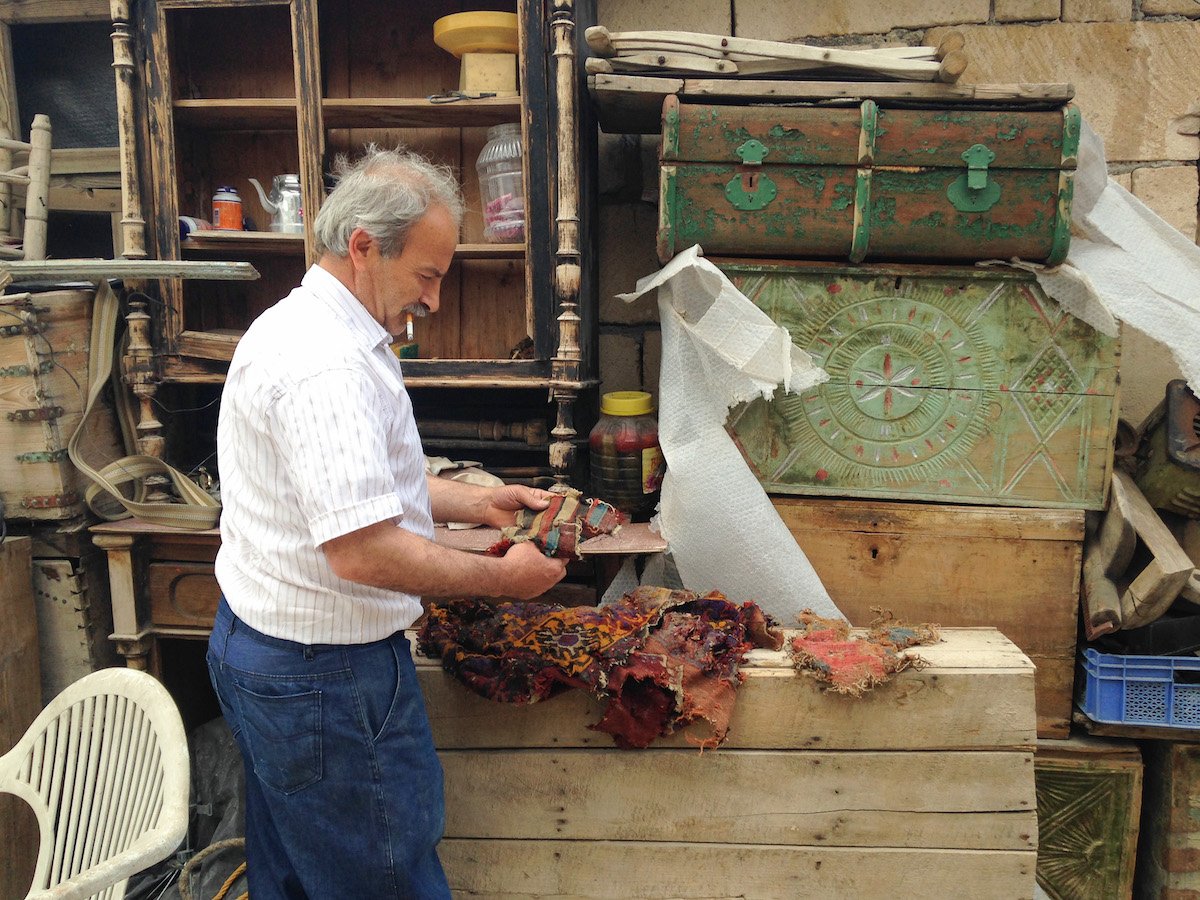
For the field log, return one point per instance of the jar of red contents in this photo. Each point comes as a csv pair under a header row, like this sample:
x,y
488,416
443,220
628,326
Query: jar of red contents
x,y
627,462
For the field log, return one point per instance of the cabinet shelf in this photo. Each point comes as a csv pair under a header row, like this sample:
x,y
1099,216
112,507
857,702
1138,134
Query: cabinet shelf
x,y
244,242
362,112
259,113
348,112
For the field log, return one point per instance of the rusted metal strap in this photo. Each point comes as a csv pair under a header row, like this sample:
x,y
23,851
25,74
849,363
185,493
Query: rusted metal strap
x,y
51,501
43,456
43,368
37,414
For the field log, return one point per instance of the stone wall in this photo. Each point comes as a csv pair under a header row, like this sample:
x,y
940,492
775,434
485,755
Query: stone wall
x,y
1135,65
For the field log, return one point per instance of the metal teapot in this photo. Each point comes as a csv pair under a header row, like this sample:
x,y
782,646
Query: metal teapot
x,y
284,203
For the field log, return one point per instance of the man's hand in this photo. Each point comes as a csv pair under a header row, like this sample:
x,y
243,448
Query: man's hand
x,y
507,500
530,573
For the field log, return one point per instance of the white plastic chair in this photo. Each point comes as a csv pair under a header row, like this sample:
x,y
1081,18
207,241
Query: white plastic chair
x,y
105,768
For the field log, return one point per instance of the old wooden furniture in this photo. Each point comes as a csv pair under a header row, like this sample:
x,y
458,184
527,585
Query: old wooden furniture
x,y
865,181
237,89
953,385
923,787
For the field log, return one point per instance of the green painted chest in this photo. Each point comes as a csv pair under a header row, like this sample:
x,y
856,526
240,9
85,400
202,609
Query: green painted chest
x,y
956,385
861,182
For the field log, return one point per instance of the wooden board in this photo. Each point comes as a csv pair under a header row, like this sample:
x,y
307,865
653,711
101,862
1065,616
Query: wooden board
x,y
558,870
1168,863
20,694
957,800
953,386
633,103
1089,796
1014,569
974,694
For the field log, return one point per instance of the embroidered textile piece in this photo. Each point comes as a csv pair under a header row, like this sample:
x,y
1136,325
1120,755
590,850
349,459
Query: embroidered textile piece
x,y
659,659
855,664
559,528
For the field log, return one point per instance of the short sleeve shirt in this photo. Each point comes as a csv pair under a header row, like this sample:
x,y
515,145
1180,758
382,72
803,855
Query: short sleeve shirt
x,y
316,439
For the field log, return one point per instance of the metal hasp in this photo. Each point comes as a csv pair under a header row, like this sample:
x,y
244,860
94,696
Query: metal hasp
x,y
751,190
975,192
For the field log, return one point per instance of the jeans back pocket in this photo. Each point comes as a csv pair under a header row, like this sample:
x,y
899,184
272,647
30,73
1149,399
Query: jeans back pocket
x,y
283,735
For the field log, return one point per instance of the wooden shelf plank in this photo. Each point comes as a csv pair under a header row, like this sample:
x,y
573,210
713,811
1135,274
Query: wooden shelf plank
x,y
418,112
93,269
489,251
244,242
241,112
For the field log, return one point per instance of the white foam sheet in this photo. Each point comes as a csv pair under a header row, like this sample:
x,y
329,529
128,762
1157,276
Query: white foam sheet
x,y
1127,264
719,349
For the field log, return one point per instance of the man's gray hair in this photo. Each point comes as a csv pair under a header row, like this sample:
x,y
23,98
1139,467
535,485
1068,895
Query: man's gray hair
x,y
385,193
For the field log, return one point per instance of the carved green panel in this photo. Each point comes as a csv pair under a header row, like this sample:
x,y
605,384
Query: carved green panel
x,y
948,385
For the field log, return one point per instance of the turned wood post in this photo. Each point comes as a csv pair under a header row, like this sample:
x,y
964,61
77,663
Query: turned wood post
x,y
140,373
565,369
10,128
133,226
37,195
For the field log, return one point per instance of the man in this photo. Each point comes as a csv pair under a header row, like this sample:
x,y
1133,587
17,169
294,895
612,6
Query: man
x,y
327,547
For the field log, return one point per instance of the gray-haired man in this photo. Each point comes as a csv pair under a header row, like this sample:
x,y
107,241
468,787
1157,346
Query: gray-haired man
x,y
327,547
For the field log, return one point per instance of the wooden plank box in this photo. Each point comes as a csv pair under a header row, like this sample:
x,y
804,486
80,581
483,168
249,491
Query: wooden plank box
x,y
862,182
918,788
1168,864
1017,570
1089,796
955,385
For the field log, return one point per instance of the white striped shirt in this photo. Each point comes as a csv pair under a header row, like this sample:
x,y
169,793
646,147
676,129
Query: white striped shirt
x,y
316,439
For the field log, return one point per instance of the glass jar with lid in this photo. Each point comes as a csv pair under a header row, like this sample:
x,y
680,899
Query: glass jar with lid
x,y
502,185
626,460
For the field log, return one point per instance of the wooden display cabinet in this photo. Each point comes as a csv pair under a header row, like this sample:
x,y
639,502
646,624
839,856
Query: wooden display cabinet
x,y
235,89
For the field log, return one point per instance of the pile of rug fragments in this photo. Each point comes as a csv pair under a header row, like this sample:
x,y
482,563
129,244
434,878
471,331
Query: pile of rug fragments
x,y
659,659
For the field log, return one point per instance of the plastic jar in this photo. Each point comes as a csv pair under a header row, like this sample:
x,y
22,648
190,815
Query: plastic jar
x,y
627,462
501,185
227,209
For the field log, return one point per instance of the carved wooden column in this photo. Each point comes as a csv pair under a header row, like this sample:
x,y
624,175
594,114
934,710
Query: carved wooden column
x,y
140,372
133,226
565,370
128,634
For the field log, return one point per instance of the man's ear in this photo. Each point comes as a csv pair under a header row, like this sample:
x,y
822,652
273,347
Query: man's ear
x,y
360,245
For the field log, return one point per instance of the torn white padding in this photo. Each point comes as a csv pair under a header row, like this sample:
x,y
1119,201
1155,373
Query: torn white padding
x,y
719,349
1129,263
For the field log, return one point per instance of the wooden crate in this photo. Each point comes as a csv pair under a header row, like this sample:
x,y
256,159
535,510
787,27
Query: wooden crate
x,y
951,385
43,384
1168,865
1089,796
922,786
1017,570
19,706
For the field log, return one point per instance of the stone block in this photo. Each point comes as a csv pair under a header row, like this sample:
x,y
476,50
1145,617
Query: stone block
x,y
787,20
620,362
651,360
627,235
711,16
1171,8
1125,180
1172,192
1026,10
1146,367
1136,82
1096,10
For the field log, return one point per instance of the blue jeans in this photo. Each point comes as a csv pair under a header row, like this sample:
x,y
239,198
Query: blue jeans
x,y
343,787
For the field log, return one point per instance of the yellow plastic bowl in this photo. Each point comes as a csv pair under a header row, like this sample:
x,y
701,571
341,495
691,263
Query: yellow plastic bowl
x,y
477,32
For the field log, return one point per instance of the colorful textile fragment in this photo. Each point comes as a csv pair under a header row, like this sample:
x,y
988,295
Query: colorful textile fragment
x,y
559,528
853,664
659,659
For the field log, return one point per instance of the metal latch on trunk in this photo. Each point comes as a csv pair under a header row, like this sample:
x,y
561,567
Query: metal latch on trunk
x,y
751,189
975,191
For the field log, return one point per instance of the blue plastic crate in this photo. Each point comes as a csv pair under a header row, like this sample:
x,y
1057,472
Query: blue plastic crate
x,y
1142,690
